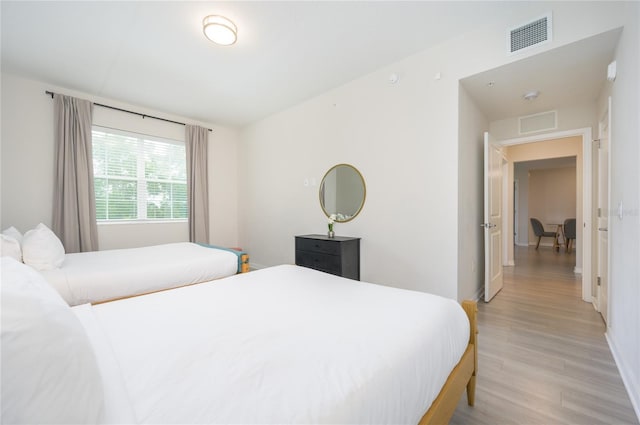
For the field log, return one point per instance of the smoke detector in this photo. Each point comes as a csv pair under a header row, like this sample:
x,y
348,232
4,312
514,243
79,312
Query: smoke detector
x,y
532,95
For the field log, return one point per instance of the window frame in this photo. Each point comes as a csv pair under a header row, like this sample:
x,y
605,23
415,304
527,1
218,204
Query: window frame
x,y
142,196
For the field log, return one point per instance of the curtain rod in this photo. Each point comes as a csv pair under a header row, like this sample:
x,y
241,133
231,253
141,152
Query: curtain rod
x,y
50,93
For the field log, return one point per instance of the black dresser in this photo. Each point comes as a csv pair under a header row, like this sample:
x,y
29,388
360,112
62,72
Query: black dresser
x,y
339,255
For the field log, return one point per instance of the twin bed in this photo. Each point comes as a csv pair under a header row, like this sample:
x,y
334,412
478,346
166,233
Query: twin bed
x,y
284,344
100,276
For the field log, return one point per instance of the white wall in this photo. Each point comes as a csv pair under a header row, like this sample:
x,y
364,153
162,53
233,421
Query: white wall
x,y
407,141
383,130
472,124
569,118
28,163
623,331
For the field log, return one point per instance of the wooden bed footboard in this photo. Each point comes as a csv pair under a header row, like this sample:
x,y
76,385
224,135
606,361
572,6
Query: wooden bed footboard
x,y
245,263
244,259
463,376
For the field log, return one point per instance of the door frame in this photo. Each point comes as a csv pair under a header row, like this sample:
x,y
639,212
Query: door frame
x,y
587,194
597,301
506,229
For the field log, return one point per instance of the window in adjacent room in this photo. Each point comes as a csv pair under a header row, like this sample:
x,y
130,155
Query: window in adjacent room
x,y
138,177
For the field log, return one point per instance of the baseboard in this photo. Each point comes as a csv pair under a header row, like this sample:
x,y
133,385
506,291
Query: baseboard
x,y
541,244
256,266
523,244
594,303
633,388
479,294
577,270
510,263
549,244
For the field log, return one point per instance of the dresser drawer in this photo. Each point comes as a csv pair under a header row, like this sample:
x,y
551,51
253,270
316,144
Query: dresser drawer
x,y
317,245
339,255
319,261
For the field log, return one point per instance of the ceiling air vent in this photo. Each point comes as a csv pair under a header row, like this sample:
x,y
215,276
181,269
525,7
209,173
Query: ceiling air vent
x,y
530,34
538,122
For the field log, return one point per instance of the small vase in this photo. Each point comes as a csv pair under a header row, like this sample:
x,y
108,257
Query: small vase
x,y
330,233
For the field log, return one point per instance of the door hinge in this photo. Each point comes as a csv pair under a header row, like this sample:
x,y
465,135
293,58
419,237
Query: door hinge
x,y
598,280
598,142
599,212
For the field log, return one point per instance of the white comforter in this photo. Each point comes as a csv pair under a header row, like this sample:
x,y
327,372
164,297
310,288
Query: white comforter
x,y
280,345
90,277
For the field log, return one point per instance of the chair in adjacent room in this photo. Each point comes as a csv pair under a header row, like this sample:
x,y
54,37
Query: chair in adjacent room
x,y
538,230
570,232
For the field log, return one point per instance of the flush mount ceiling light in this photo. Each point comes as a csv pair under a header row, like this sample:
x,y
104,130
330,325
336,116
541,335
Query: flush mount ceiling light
x,y
220,30
532,95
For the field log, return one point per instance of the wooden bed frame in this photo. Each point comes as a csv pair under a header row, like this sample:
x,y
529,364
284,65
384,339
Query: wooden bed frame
x,y
463,376
244,259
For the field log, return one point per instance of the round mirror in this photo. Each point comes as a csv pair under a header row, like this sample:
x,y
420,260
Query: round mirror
x,y
342,192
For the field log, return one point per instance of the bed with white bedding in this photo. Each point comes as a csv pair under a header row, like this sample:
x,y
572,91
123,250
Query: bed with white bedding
x,y
280,345
92,277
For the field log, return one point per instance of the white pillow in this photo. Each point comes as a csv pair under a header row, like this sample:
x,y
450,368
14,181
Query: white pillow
x,y
14,233
49,370
41,249
11,248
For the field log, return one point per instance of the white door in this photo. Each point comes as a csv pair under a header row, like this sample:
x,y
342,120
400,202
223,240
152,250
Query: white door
x,y
603,214
492,218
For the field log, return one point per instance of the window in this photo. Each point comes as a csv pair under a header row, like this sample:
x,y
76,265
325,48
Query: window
x,y
138,177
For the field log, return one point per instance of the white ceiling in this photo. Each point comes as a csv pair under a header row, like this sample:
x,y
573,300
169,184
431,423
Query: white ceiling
x,y
154,54
567,76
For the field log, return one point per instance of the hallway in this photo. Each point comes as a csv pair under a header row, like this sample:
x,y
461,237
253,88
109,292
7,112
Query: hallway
x,y
543,356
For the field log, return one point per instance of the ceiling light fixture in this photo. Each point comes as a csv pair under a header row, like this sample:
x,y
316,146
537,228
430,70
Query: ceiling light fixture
x,y
220,30
532,95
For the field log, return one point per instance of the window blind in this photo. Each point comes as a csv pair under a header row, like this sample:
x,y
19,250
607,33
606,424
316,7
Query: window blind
x,y
138,177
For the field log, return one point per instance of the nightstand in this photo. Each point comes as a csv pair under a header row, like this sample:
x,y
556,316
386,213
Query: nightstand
x,y
339,255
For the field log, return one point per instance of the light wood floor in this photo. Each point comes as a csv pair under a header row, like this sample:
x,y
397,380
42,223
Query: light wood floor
x,y
543,357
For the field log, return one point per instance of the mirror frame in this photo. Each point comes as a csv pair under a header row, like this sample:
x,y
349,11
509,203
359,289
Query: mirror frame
x,y
364,191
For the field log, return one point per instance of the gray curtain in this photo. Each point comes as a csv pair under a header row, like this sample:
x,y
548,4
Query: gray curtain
x,y
196,141
74,208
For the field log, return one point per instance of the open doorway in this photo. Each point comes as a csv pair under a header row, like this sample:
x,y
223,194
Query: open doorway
x,y
558,150
547,191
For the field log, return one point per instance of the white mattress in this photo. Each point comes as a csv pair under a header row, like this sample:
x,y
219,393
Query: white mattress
x,y
280,345
90,277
